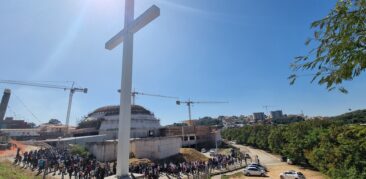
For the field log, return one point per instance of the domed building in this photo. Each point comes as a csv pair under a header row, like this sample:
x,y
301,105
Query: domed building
x,y
143,122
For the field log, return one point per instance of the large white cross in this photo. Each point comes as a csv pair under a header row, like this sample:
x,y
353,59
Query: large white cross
x,y
126,36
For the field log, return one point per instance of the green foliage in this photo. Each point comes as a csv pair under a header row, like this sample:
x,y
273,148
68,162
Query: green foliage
x,y
358,116
9,171
288,119
336,147
87,123
54,121
79,150
340,40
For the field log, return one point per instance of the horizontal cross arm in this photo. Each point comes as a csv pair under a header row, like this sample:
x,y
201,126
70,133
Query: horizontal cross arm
x,y
149,15
116,40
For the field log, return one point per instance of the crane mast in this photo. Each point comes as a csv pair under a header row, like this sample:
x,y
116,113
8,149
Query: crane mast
x,y
189,103
71,90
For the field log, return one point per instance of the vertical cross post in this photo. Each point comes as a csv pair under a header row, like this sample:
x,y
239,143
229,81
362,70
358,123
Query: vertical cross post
x,y
131,26
124,125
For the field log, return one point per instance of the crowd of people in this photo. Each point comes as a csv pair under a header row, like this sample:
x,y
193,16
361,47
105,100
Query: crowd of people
x,y
54,161
178,169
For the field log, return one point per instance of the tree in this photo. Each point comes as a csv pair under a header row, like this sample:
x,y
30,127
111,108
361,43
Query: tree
x,y
54,121
340,52
32,125
90,123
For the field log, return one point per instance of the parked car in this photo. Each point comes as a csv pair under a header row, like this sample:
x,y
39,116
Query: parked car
x,y
292,175
212,152
249,171
258,166
203,150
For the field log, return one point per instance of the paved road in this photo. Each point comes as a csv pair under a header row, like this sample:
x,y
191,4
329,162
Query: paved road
x,y
265,158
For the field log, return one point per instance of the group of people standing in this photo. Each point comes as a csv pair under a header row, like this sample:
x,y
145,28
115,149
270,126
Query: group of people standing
x,y
61,162
178,169
56,161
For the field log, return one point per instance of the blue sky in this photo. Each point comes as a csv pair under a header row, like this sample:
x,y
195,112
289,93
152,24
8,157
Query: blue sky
x,y
237,51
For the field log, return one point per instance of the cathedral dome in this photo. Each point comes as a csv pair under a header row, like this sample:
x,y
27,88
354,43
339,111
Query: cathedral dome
x,y
114,110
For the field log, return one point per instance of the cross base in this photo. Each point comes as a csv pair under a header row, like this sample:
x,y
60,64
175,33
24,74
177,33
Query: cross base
x,y
119,177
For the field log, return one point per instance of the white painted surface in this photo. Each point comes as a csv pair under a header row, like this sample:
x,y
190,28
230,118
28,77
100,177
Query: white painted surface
x,y
156,148
150,148
126,81
21,132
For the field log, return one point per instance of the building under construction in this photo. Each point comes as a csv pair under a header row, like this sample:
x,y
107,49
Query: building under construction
x,y
204,136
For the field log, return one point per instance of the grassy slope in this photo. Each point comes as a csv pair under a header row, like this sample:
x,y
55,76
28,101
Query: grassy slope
x,y
8,171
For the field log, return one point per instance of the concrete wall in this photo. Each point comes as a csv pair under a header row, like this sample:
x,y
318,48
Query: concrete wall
x,y
76,140
150,148
156,148
103,151
21,132
141,124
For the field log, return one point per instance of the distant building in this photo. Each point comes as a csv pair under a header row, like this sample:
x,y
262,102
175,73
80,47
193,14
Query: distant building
x,y
259,116
10,123
44,131
276,114
232,122
22,134
229,122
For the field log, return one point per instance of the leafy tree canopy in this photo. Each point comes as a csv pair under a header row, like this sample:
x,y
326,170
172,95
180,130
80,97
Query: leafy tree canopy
x,y
340,46
54,121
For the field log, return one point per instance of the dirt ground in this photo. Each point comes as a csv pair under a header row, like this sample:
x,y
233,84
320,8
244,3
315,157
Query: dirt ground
x,y
276,170
8,155
192,155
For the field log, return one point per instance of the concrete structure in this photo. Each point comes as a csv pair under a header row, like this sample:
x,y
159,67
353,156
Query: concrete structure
x,y
4,104
53,131
44,131
75,140
276,114
151,148
156,148
22,134
143,122
104,151
193,135
259,116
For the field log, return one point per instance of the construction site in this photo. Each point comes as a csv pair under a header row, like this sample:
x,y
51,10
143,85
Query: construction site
x,y
101,139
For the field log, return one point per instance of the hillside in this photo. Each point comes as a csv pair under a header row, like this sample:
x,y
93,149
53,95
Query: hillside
x,y
358,116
